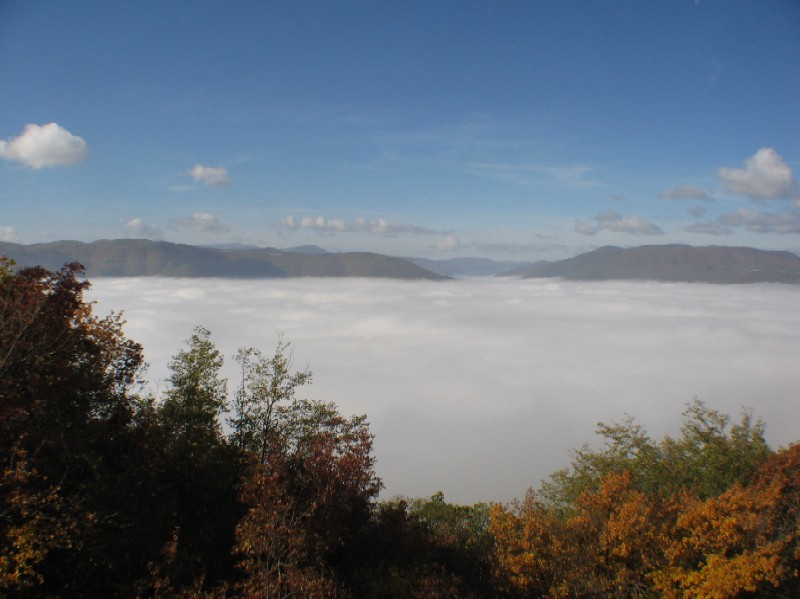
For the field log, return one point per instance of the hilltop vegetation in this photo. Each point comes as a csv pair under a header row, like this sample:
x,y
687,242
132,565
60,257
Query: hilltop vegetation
x,y
106,491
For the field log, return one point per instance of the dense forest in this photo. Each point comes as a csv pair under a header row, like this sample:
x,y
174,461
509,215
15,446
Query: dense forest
x,y
107,491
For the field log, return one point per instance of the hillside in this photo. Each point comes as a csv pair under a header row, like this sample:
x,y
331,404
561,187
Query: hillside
x,y
712,264
144,258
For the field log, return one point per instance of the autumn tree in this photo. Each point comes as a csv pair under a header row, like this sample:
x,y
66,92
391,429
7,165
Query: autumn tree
x,y
743,541
679,518
307,502
66,413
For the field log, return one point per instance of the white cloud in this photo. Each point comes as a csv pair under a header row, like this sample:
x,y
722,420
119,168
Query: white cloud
x,y
765,176
138,227
615,222
448,243
203,222
323,224
41,146
210,176
480,388
685,193
8,234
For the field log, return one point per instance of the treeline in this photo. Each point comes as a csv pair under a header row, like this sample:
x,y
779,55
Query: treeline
x,y
106,492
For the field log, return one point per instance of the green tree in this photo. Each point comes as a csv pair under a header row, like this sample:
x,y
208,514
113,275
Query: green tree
x,y
708,457
267,383
196,396
711,453
196,484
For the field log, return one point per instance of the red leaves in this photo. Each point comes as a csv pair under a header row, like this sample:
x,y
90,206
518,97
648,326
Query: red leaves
x,y
305,500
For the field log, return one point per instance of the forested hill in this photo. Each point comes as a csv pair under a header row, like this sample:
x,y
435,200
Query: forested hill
x,y
712,264
141,257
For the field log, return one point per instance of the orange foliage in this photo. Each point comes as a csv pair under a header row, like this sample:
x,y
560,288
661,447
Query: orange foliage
x,y
745,540
622,542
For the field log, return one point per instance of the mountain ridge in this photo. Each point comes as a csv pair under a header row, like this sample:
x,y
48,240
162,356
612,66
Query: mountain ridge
x,y
672,263
668,263
142,257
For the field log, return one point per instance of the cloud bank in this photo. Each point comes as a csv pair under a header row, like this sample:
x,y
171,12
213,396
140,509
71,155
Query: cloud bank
x,y
480,388
781,223
614,221
764,176
42,146
210,176
326,225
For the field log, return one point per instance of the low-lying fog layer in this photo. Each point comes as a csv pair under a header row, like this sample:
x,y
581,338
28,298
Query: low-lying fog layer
x,y
480,388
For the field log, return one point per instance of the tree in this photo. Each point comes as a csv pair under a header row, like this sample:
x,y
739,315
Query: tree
x,y
712,454
708,457
743,541
197,395
197,483
266,385
66,411
695,516
306,503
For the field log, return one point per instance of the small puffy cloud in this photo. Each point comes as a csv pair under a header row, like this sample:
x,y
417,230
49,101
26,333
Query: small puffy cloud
x,y
448,243
615,222
765,176
322,224
210,176
204,222
8,234
685,193
41,146
136,226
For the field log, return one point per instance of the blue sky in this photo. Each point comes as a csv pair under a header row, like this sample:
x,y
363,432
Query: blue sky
x,y
513,130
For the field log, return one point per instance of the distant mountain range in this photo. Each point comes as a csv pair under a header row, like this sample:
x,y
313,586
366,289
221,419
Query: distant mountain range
x,y
140,257
712,264
467,267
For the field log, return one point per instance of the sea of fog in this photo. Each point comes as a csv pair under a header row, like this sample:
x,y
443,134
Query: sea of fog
x,y
480,388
